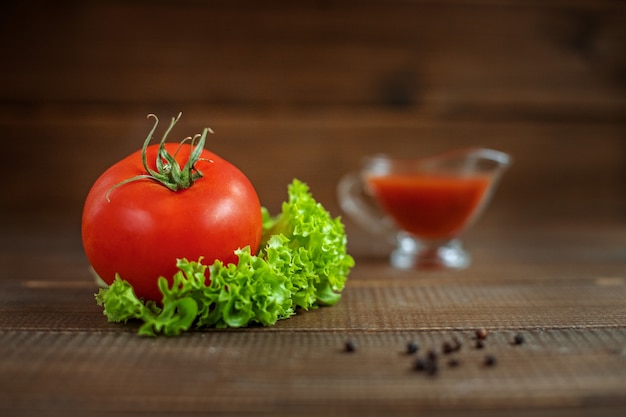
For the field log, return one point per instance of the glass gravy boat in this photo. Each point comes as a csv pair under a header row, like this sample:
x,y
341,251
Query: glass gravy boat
x,y
421,206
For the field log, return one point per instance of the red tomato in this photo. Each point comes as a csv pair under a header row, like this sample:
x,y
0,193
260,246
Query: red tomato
x,y
138,229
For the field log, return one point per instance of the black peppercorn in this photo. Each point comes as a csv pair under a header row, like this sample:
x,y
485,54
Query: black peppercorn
x,y
420,364
427,364
453,346
490,360
432,368
412,347
453,363
518,339
350,346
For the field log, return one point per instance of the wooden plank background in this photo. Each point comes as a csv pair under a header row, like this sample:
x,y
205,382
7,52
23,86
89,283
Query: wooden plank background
x,y
306,89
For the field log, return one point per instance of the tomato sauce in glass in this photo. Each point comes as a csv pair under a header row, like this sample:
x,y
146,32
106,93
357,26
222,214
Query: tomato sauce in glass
x,y
429,206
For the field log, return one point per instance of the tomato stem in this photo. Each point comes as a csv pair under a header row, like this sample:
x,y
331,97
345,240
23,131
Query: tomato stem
x,y
168,171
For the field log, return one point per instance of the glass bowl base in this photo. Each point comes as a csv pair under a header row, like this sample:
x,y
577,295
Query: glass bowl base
x,y
410,253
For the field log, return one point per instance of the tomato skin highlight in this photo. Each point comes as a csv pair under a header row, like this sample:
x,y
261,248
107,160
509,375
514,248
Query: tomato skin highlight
x,y
143,227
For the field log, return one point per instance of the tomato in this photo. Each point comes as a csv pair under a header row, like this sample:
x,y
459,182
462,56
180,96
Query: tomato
x,y
136,227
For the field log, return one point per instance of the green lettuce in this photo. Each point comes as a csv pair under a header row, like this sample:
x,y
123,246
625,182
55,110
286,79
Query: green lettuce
x,y
302,264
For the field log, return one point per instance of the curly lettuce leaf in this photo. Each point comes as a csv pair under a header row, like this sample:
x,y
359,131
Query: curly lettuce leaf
x,y
317,247
302,264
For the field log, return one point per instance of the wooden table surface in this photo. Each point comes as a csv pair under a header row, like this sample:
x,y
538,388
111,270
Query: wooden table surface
x,y
59,355
306,89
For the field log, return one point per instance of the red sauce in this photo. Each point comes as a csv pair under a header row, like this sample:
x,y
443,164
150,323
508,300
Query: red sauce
x,y
429,206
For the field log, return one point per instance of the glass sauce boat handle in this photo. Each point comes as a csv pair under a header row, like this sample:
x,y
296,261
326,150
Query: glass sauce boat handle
x,y
362,209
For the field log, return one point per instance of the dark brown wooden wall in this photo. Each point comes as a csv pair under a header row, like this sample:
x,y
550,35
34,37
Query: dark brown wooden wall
x,y
307,88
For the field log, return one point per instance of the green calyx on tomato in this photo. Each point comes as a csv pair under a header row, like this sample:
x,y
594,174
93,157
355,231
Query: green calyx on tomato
x,y
168,171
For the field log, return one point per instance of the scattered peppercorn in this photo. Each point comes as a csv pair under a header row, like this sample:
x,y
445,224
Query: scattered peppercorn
x,y
432,368
451,346
427,364
350,346
481,333
412,347
453,363
420,364
490,360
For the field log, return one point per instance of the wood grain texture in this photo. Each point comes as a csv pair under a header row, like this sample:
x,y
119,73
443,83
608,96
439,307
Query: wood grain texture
x,y
573,169
307,89
61,357
451,57
261,373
